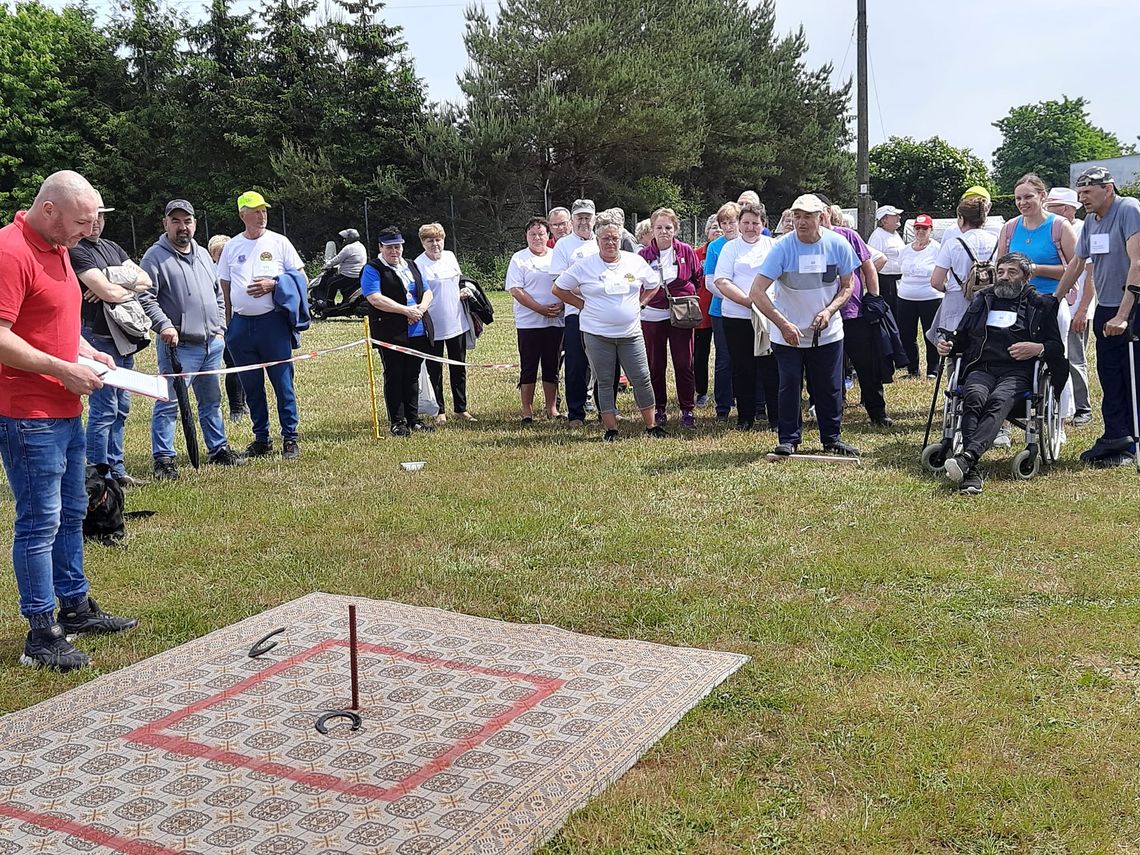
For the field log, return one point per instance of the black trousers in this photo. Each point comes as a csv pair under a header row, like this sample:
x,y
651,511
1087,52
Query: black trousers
x,y
910,313
456,349
751,372
343,285
889,290
402,382
859,348
987,401
702,347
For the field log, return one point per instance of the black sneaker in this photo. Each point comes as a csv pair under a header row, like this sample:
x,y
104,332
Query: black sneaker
x,y
398,429
610,436
290,449
883,421
744,427
164,469
257,448
785,449
972,483
656,432
89,619
1111,461
225,457
422,427
839,447
958,467
49,648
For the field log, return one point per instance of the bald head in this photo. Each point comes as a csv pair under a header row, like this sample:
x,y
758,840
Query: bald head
x,y
748,197
65,208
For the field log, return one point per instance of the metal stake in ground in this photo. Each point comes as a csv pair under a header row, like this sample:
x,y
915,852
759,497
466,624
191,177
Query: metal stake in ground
x,y
352,658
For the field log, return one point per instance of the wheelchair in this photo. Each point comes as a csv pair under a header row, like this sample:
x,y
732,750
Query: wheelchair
x,y
1040,419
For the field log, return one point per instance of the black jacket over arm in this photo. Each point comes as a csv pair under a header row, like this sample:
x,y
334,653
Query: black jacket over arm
x,y
1043,329
390,326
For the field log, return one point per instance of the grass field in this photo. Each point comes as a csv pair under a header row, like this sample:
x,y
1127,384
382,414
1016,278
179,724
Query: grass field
x,y
929,672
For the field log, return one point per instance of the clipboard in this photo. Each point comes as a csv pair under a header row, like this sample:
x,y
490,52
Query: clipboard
x,y
149,385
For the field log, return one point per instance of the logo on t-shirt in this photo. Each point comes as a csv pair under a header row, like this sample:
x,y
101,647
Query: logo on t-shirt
x,y
241,259
266,256
629,277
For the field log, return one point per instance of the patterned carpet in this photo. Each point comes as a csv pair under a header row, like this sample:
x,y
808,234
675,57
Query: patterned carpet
x,y
477,737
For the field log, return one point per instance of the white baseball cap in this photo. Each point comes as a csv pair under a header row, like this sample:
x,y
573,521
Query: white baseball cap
x,y
1062,196
809,203
884,210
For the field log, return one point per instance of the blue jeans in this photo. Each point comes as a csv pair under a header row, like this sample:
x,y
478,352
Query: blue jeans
x,y
722,369
265,338
44,462
576,365
107,410
207,395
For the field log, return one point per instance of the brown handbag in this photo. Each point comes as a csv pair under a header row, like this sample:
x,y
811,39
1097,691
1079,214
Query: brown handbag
x,y
684,312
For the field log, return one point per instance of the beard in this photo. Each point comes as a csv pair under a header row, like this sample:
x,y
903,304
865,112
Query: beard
x,y
182,240
1007,289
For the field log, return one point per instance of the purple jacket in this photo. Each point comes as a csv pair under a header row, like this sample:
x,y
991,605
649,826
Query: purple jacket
x,y
690,272
853,307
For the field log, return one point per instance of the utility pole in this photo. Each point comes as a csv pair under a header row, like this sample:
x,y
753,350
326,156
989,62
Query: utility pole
x,y
862,164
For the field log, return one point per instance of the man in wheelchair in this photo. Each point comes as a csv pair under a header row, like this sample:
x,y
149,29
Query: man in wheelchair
x,y
1005,330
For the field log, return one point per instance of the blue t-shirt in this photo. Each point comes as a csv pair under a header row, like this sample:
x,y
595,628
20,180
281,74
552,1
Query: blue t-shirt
x,y
806,277
711,255
1037,245
370,284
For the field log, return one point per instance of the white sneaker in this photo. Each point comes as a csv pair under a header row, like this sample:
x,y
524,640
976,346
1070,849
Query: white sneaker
x,y
1002,440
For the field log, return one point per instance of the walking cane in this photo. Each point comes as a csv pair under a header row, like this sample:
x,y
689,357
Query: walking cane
x,y
1132,339
937,383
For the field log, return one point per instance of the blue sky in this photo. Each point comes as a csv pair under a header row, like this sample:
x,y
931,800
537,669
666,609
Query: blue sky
x,y
949,69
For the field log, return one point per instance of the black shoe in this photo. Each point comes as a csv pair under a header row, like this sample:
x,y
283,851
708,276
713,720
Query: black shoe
x,y
785,449
1104,447
257,448
958,467
421,427
722,418
164,469
656,432
610,436
842,449
237,414
743,427
972,483
883,421
89,619
399,429
225,457
290,449
1111,461
49,648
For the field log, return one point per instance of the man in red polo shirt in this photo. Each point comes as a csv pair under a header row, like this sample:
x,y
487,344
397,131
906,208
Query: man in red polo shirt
x,y
42,441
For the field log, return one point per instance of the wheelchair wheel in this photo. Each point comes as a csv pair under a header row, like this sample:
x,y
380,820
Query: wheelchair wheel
x,y
1051,427
1025,464
933,458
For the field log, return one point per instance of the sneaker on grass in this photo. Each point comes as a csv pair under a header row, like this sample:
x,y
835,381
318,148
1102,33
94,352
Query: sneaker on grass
x,y
88,619
257,448
1002,440
225,457
972,483
841,448
49,648
164,469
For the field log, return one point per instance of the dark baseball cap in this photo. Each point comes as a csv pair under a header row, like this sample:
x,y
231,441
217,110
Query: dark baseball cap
x,y
179,205
1095,175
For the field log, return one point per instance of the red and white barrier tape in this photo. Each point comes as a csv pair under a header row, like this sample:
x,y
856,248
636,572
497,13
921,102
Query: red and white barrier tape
x,y
433,358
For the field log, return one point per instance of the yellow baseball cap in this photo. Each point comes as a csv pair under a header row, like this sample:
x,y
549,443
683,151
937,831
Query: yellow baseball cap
x,y
978,190
252,199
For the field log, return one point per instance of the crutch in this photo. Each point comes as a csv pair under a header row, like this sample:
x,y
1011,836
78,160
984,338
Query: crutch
x,y
937,384
1132,339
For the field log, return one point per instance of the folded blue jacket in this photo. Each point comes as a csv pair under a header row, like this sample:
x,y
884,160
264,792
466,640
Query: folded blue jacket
x,y
291,297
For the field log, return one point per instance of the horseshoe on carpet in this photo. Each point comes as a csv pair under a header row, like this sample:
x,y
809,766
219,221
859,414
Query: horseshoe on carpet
x,y
322,726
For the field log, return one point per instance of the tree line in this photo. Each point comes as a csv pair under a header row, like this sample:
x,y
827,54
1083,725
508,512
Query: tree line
x,y
319,107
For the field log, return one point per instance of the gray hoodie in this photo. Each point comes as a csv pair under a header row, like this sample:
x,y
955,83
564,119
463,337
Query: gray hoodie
x,y
185,294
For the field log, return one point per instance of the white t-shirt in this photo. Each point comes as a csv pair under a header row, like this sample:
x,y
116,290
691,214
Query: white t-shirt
x,y
611,293
889,244
442,278
917,267
667,262
244,260
530,273
568,251
739,262
953,256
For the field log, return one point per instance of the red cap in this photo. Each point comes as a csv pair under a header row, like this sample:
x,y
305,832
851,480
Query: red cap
x,y
923,221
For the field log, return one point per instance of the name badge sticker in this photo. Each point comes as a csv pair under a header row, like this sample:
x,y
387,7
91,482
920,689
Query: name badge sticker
x,y
1098,244
1001,320
816,263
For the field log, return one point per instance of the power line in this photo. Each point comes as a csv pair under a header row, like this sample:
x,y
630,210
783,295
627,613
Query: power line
x,y
878,106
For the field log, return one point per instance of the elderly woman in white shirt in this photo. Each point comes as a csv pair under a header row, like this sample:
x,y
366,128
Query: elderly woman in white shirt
x,y
610,289
918,300
539,318
449,322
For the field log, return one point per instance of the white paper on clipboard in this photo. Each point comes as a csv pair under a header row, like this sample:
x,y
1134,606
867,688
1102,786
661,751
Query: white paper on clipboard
x,y
133,381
